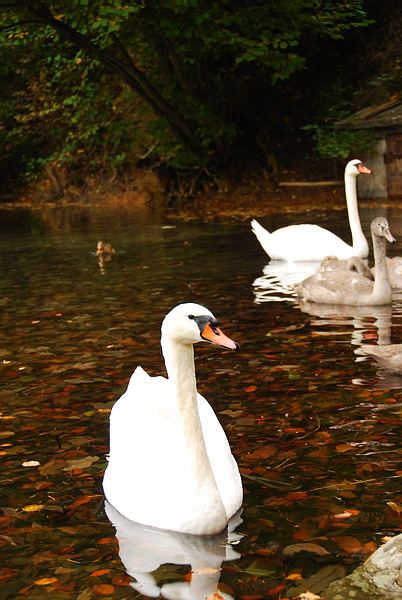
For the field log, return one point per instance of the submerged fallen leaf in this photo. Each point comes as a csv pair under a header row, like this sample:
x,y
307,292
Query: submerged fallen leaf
x,y
104,589
344,447
100,572
46,581
294,577
306,547
349,544
80,463
84,500
33,507
396,507
350,512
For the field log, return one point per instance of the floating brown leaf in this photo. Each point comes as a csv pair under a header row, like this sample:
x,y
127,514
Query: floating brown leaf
x,y
46,581
349,544
80,463
306,547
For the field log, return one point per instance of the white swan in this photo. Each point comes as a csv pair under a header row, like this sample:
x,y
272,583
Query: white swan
x,y
310,242
348,287
170,464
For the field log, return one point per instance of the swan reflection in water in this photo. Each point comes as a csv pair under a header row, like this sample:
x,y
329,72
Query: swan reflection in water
x,y
279,277
144,549
369,323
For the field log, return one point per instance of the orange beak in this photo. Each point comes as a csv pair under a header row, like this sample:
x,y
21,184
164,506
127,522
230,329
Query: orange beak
x,y
216,336
363,169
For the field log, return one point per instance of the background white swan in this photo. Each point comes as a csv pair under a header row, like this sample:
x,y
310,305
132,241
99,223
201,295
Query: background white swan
x,y
348,287
307,242
170,463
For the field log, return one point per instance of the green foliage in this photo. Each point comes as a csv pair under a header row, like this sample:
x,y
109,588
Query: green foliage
x,y
332,143
99,83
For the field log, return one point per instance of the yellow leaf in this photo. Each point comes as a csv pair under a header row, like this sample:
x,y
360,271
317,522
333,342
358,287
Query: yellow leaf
x,y
33,507
294,576
46,581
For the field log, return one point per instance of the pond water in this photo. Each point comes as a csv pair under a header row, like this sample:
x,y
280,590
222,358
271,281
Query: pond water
x,y
314,426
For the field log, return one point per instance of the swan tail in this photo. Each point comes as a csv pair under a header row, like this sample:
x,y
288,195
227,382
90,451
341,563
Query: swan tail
x,y
262,235
139,376
258,230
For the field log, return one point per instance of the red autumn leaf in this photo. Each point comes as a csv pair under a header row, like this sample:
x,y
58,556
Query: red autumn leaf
x,y
344,447
104,589
107,540
369,547
46,581
349,544
275,590
100,572
83,500
302,535
294,430
250,388
6,574
348,512
262,452
294,577
297,496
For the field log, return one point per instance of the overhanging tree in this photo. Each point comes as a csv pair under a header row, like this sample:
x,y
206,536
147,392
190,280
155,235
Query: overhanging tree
x,y
202,66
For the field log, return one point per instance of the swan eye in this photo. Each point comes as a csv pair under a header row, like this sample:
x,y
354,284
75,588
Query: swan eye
x,y
191,316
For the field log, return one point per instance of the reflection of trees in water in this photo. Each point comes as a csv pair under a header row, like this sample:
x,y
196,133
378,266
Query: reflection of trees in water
x,y
73,218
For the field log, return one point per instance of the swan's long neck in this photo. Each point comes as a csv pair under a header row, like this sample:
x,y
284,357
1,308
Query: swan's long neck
x,y
359,242
382,286
179,360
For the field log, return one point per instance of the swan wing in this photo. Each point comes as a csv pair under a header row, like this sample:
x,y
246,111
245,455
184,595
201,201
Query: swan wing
x,y
305,242
223,464
394,266
335,287
148,478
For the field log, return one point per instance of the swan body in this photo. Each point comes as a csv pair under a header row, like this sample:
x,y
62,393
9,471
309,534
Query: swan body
x,y
307,242
394,267
348,287
389,357
170,464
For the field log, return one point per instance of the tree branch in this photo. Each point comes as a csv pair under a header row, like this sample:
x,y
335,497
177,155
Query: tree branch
x,y
17,23
128,72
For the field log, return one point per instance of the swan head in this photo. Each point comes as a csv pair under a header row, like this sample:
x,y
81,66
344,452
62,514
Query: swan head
x,y
191,323
356,167
380,228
